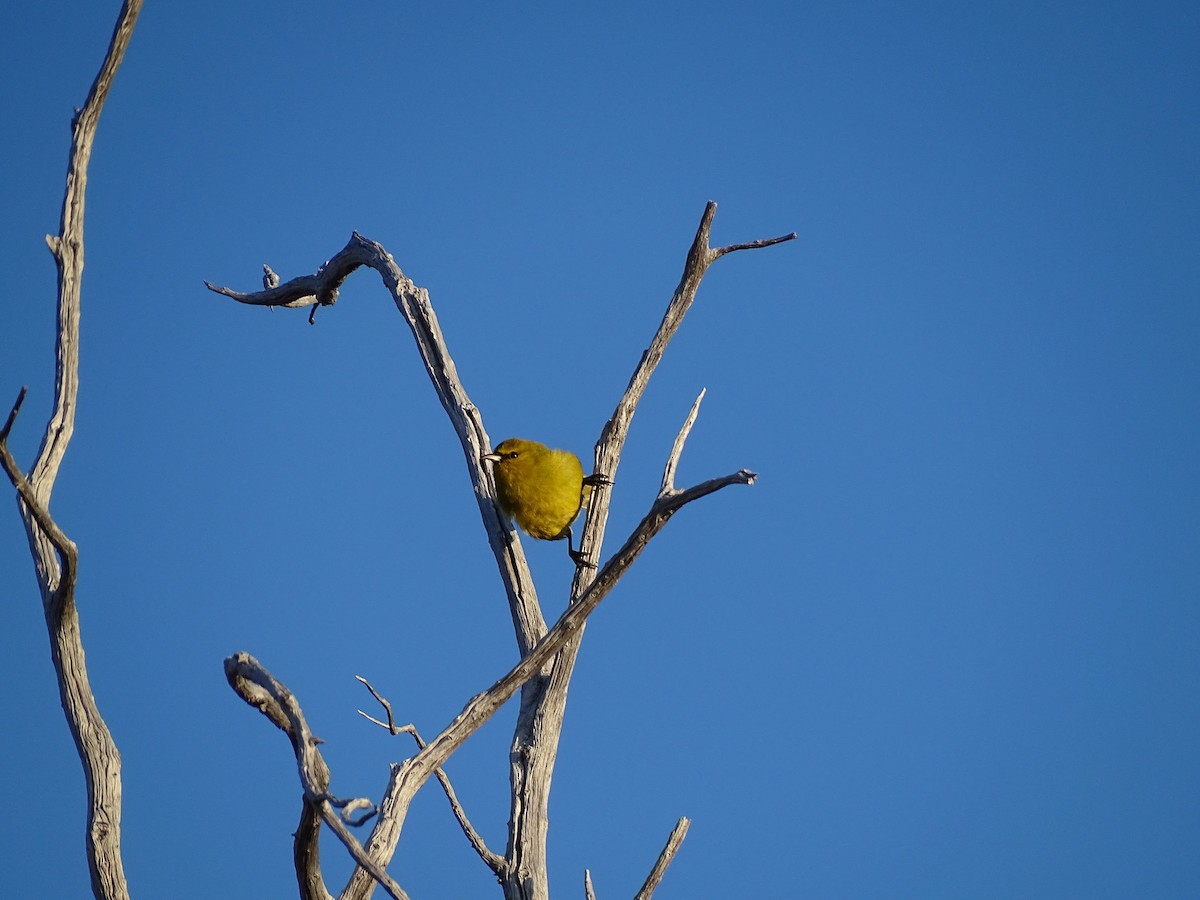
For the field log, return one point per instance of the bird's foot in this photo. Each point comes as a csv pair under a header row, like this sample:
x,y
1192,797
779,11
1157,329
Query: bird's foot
x,y
580,562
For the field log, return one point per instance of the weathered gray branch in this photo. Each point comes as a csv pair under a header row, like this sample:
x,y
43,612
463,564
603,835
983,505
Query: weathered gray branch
x,y
616,430
260,689
413,303
409,776
490,859
306,847
67,553
306,854
678,833
539,723
547,656
668,479
55,557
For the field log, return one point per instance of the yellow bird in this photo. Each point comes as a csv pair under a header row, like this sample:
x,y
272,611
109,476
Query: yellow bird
x,y
542,490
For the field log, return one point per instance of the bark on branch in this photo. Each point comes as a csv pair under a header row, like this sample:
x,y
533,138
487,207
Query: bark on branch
x,y
260,689
413,303
55,556
409,776
543,713
678,833
547,656
490,859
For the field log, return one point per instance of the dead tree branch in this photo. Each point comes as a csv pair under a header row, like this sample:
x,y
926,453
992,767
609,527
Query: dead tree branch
x,y
548,657
413,303
544,705
409,776
668,479
64,547
260,689
55,557
490,859
616,430
678,833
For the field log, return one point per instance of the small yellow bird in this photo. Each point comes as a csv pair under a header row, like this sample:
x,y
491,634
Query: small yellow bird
x,y
541,489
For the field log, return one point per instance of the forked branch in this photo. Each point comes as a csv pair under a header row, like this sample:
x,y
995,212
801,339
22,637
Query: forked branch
x,y
540,721
68,553
260,689
523,868
668,479
492,860
616,429
413,773
413,303
54,555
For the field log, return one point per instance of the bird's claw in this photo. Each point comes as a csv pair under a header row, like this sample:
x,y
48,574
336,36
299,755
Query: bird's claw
x,y
577,558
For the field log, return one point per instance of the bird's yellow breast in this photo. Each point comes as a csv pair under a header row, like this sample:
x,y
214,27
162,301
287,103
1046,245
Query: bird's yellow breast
x,y
541,489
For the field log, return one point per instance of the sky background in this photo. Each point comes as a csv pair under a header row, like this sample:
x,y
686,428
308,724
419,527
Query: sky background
x,y
945,647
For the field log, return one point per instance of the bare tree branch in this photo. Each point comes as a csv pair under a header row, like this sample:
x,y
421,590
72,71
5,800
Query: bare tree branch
x,y
589,892
306,847
616,430
753,245
539,722
390,725
68,553
55,557
413,773
413,303
664,859
260,689
12,413
490,859
668,479
306,854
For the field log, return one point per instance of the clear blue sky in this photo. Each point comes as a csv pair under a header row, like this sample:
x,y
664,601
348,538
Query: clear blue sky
x,y
947,646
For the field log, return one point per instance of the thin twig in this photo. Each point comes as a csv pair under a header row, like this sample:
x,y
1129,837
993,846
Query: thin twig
x,y
375,721
391,722
254,684
664,859
589,892
347,807
612,437
12,415
68,553
492,860
668,479
755,245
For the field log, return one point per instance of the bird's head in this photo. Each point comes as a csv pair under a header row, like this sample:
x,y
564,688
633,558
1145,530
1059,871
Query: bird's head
x,y
516,452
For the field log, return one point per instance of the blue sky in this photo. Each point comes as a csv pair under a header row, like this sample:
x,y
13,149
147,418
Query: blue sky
x,y
945,647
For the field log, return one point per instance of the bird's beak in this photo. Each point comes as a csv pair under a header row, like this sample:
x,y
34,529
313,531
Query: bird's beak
x,y
490,457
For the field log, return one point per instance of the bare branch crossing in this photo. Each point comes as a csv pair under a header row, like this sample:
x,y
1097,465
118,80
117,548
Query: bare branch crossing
x,y
547,655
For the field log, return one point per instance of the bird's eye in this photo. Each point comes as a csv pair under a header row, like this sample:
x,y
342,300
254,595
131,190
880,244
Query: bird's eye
x,y
512,454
